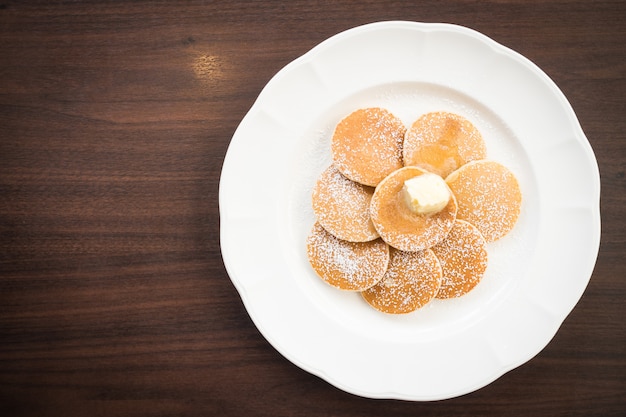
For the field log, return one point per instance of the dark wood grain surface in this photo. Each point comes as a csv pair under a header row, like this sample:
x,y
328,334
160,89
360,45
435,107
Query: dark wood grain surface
x,y
114,121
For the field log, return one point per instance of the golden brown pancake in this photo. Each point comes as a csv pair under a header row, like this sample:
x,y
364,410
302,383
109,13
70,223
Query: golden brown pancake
x,y
441,142
353,266
411,281
367,145
463,258
488,195
342,206
398,225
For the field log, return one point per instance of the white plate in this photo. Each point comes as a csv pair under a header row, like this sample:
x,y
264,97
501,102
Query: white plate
x,y
536,274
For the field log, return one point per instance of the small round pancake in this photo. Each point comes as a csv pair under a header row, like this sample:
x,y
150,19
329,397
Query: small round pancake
x,y
411,281
441,142
342,206
463,258
488,196
398,225
367,145
352,266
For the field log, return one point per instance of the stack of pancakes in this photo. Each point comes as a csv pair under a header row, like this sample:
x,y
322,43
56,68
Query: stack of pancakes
x,y
367,239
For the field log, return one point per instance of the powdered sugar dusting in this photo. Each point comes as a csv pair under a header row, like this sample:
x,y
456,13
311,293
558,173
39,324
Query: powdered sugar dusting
x,y
463,258
341,206
367,145
411,281
346,265
488,196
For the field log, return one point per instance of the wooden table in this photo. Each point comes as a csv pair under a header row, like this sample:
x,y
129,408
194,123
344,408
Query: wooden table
x,y
114,121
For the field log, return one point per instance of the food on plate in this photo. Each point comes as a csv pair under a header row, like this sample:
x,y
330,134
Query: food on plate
x,y
441,142
352,266
463,258
388,225
342,206
411,281
488,196
366,145
396,222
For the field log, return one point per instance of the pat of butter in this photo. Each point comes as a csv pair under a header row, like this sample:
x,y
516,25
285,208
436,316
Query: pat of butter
x,y
426,194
